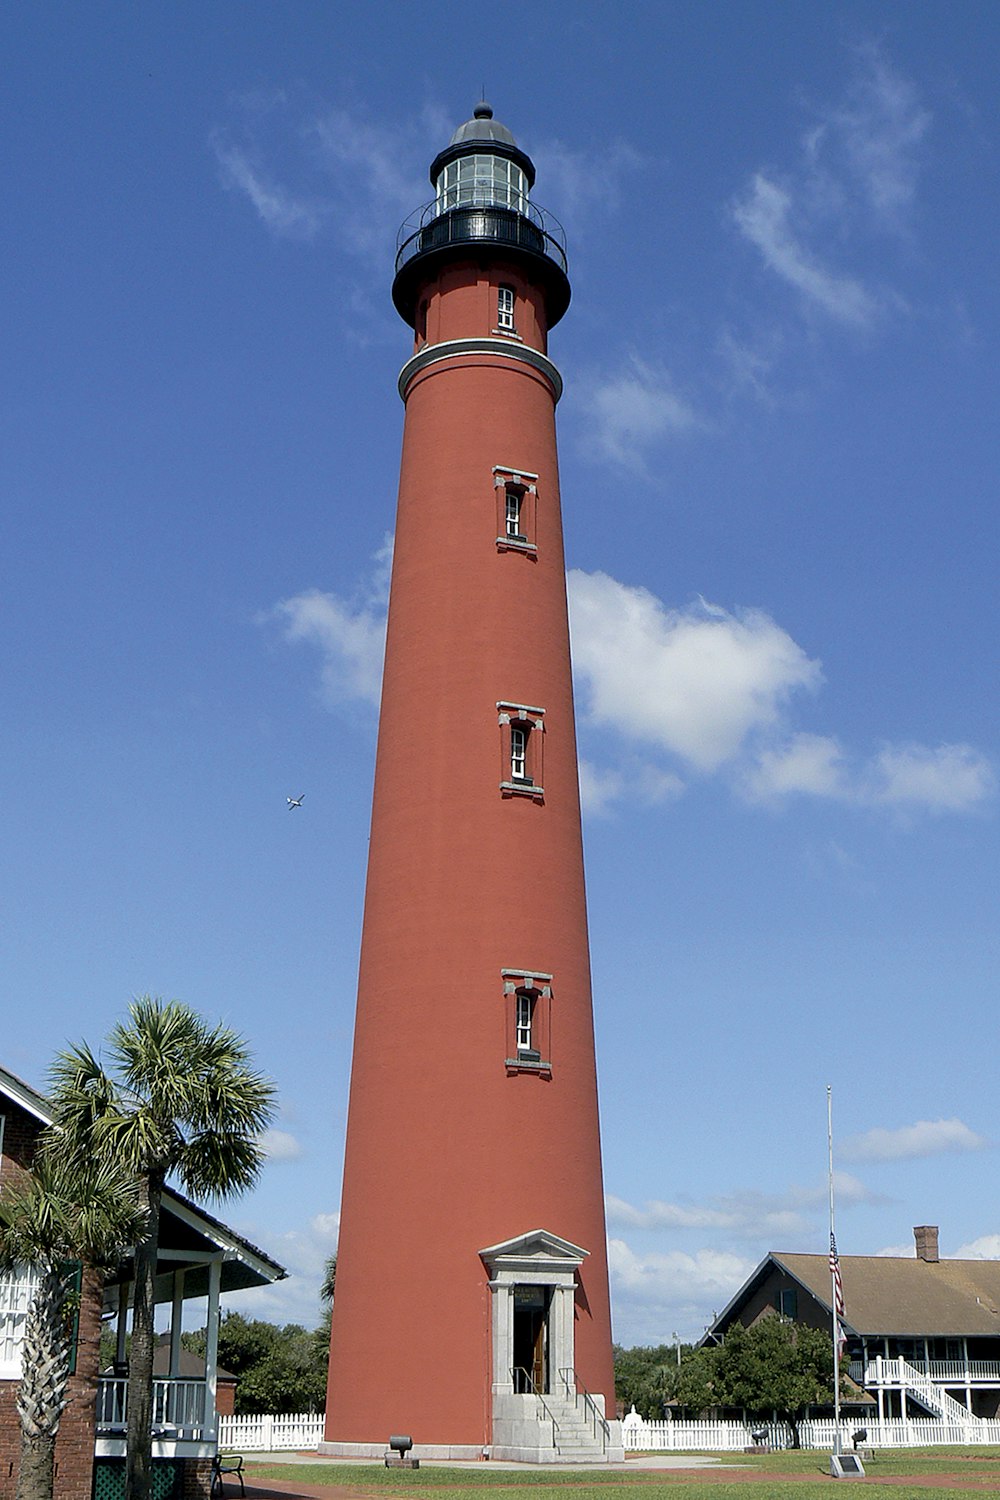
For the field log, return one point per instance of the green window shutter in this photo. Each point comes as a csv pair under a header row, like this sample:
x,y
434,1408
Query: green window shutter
x,y
72,1273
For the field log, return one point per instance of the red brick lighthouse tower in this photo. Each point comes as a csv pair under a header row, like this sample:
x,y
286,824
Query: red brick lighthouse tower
x,y
472,1290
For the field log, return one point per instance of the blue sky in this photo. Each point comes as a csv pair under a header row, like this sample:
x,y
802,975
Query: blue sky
x,y
779,468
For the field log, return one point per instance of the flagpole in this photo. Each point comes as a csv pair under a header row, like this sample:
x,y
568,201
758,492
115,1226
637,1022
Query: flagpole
x,y
834,1311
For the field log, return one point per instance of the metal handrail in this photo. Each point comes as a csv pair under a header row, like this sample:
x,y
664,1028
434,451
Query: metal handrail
x,y
529,1381
576,1388
529,226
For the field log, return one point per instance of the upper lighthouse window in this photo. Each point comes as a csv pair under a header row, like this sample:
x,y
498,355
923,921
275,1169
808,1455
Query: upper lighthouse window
x,y
505,309
484,181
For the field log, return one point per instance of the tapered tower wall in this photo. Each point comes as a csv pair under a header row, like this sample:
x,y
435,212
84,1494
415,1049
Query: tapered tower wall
x,y
452,1145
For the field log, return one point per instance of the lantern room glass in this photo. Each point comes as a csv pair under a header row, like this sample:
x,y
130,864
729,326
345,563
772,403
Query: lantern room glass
x,y
486,181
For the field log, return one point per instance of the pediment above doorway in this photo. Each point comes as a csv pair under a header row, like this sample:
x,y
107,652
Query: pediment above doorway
x,y
537,1250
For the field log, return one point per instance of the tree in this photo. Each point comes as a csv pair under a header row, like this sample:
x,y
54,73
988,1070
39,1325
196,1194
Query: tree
x,y
181,1099
328,1285
644,1378
774,1366
70,1212
278,1369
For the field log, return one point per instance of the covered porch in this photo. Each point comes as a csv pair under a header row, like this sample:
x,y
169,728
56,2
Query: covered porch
x,y
199,1259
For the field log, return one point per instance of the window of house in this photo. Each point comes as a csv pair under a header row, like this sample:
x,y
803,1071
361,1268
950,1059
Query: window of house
x,y
517,499
505,309
16,1291
527,1011
788,1302
521,750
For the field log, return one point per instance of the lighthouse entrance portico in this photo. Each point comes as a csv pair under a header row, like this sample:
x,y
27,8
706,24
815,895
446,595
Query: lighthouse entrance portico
x,y
540,1413
533,1286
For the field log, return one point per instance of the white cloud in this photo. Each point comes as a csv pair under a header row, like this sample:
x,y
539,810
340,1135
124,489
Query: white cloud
x,y
348,633
710,687
303,1252
376,173
283,213
578,183
280,1145
350,639
356,178
948,778
807,763
880,127
986,1247
925,1138
856,175
696,682
636,781
671,1291
764,216
632,410
767,1217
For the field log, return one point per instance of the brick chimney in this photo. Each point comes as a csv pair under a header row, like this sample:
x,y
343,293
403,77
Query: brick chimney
x,y
926,1237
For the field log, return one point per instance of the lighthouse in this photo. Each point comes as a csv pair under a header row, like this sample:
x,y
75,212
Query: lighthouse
x,y
472,1309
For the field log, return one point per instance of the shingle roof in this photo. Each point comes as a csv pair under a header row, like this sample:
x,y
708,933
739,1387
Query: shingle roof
x,y
907,1297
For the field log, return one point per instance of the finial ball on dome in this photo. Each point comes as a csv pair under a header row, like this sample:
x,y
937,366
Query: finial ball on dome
x,y
483,111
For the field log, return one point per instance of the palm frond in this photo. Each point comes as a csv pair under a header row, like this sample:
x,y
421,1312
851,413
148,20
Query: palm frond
x,y
221,1164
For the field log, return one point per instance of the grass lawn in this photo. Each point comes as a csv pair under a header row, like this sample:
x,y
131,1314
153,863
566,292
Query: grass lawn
x,y
806,1474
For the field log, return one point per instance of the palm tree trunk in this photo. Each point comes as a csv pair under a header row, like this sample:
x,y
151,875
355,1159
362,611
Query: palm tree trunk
x,y
139,1436
41,1391
36,1467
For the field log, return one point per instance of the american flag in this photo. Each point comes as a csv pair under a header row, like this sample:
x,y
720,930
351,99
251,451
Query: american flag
x,y
838,1295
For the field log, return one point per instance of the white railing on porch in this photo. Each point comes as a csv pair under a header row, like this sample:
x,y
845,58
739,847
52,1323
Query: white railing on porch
x,y
176,1403
944,1371
729,1437
269,1434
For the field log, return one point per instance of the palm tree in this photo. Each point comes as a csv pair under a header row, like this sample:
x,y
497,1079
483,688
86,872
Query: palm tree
x,y
328,1285
69,1211
181,1098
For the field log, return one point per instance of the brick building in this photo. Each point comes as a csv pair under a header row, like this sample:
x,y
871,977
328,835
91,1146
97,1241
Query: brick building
x,y
199,1257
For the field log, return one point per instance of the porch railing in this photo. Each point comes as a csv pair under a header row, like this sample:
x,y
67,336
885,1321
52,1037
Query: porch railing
x,y
177,1405
944,1371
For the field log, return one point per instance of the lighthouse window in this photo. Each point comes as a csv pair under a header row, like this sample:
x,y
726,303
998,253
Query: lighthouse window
x,y
525,1009
513,500
519,753
516,506
522,733
528,1024
505,309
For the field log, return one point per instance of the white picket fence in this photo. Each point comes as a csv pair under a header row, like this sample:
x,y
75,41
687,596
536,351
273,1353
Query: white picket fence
x,y
269,1434
729,1437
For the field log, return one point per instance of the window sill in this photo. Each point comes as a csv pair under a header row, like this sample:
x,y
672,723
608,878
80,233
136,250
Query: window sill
x,y
522,789
508,333
516,1065
512,544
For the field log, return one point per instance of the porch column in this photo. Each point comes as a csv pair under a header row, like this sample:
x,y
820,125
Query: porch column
x,y
176,1324
212,1339
122,1328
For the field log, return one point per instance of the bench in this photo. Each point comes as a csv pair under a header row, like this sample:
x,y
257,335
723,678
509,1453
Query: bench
x,y
223,1464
